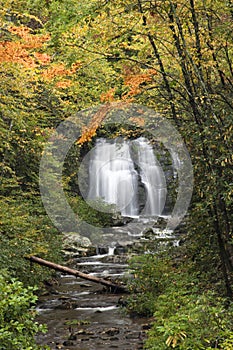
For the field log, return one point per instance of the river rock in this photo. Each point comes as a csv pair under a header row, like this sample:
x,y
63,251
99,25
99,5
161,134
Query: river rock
x,y
68,343
112,331
84,332
74,243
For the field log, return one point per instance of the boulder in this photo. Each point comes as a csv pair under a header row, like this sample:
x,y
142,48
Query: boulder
x,y
73,243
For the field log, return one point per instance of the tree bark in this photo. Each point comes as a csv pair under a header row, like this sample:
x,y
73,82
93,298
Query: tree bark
x,y
115,288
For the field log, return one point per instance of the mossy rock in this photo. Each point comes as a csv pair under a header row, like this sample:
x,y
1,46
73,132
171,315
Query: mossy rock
x,y
73,242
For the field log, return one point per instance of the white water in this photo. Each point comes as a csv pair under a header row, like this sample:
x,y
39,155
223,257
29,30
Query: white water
x,y
97,309
152,176
115,176
111,250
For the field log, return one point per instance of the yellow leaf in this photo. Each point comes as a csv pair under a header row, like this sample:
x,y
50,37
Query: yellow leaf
x,y
169,340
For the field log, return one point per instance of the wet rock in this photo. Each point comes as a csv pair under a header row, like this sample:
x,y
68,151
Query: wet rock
x,y
118,220
114,339
66,304
133,335
63,306
85,285
116,259
64,297
112,331
103,338
146,326
68,343
73,337
148,233
85,332
102,250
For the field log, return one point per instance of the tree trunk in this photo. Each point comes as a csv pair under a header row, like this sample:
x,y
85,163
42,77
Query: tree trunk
x,y
115,288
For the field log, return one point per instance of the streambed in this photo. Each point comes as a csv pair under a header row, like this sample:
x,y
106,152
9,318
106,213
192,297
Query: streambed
x,y
81,315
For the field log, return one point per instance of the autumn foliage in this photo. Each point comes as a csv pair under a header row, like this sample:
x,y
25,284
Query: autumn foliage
x,y
29,50
22,50
135,82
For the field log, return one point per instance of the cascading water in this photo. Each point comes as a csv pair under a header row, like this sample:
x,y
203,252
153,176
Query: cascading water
x,y
115,176
152,176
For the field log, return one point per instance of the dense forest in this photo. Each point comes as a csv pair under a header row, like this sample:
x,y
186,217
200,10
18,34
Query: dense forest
x,y
173,56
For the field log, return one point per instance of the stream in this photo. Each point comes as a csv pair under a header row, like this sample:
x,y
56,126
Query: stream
x,y
81,315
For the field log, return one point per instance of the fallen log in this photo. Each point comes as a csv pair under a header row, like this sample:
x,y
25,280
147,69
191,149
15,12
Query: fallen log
x,y
115,288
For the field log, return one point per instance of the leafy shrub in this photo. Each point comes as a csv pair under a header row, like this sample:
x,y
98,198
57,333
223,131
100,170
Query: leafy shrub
x,y
148,282
17,326
26,230
187,314
190,321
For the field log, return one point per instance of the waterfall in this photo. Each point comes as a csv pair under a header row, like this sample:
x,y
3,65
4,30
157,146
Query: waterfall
x,y
115,176
152,176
